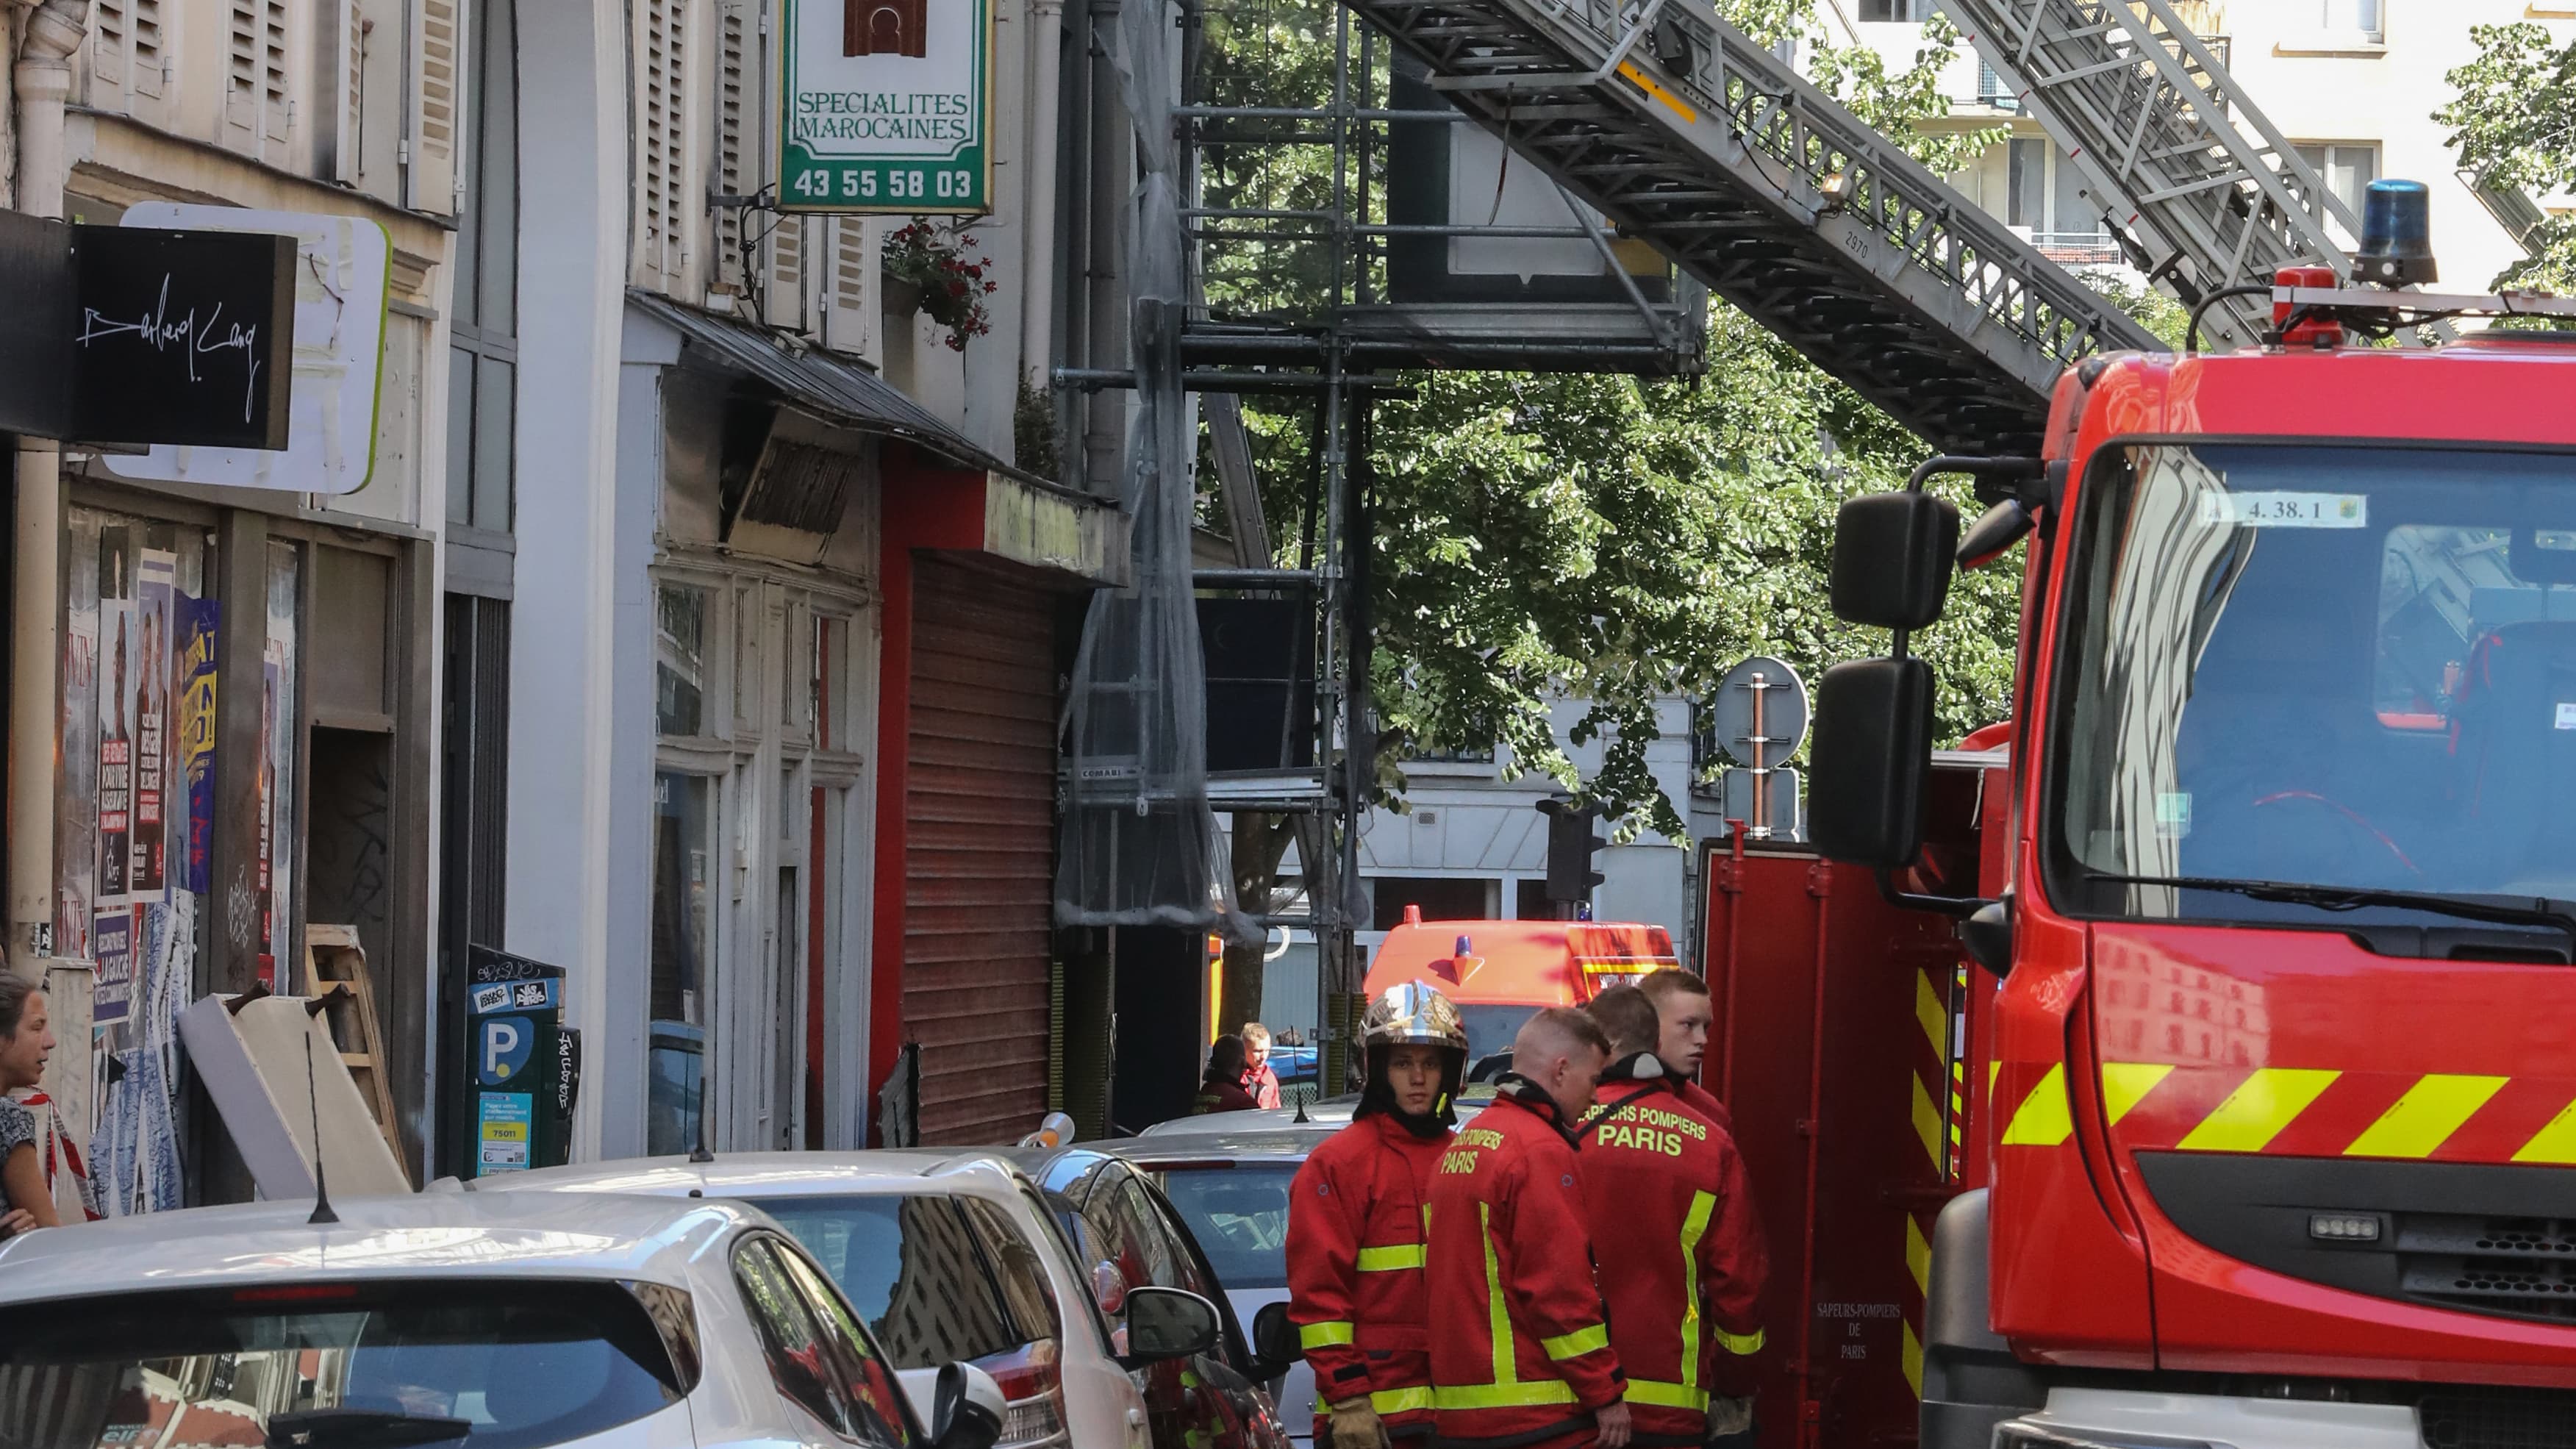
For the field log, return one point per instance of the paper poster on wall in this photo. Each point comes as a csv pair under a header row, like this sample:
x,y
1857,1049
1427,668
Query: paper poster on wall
x,y
113,938
115,721
76,831
156,589
195,673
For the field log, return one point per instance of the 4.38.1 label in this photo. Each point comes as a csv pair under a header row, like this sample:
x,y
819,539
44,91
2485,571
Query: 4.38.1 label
x,y
886,106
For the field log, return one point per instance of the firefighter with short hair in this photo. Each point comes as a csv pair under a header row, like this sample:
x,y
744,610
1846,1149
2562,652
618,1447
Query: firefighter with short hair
x,y
1678,1241
1355,1228
1521,1358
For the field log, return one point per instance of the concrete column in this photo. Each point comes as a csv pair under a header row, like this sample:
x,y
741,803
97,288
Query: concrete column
x,y
565,863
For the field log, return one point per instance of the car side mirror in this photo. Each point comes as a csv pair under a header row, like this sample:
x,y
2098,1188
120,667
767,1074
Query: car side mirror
x,y
1168,1323
1275,1349
1892,560
966,1409
1869,760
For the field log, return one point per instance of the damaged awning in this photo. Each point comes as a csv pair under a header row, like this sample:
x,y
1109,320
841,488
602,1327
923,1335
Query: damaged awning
x,y
1025,519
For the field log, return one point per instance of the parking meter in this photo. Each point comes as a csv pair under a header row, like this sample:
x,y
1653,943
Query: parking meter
x,y
525,1068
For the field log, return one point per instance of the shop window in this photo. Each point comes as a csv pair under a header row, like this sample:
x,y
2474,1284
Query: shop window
x,y
1442,898
2360,18
680,660
832,702
683,812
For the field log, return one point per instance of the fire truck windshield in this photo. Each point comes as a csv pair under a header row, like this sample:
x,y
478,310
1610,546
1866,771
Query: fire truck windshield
x,y
2322,665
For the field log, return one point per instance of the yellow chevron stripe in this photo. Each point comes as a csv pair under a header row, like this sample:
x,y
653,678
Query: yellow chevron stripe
x,y
1929,1011
1994,1069
1918,1254
1927,1122
2434,1108
1913,1361
2123,1083
2258,1109
2553,1143
2042,1120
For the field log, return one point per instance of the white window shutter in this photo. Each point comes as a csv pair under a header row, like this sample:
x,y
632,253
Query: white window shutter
x,y
345,61
242,70
782,301
663,208
276,80
845,315
111,38
438,45
734,99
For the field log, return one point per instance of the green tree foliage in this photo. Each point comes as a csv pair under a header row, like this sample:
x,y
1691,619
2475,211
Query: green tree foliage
x,y
1605,538
2513,122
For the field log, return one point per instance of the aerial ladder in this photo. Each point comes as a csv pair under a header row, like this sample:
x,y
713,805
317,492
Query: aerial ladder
x,y
1686,133
2195,182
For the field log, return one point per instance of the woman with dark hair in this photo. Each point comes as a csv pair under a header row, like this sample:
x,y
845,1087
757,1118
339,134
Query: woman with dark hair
x,y
26,1039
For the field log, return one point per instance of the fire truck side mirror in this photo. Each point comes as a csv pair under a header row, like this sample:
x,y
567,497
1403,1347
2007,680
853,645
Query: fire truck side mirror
x,y
1892,558
1870,755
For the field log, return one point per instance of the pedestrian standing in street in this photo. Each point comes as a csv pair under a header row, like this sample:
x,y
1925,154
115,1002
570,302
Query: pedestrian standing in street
x,y
1520,1352
1678,1240
1685,1014
1356,1288
26,1040
1221,1090
1258,1078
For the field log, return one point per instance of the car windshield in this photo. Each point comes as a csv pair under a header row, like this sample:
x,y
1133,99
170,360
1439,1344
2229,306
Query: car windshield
x,y
912,1267
1491,1026
2325,666
1239,1216
489,1363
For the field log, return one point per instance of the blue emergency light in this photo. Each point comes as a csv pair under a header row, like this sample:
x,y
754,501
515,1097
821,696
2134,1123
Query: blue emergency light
x,y
2396,235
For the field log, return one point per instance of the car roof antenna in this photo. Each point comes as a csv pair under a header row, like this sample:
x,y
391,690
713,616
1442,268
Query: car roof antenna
x,y
1301,1108
322,1213
699,1152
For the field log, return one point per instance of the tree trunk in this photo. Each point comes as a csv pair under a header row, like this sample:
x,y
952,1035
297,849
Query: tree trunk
x,y
1260,841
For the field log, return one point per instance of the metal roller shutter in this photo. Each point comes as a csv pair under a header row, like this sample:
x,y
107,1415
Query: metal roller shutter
x,y
979,868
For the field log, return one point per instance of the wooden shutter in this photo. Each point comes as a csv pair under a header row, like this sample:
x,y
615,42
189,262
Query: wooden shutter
x,y
434,179
979,850
126,60
663,208
784,303
845,320
734,53
111,36
254,72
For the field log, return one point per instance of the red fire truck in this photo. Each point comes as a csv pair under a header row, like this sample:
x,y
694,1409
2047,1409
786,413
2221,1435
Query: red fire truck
x,y
2192,1060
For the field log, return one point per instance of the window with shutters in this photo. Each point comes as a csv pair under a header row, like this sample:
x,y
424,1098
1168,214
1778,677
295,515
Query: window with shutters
x,y
483,353
128,61
845,322
258,84
783,303
438,44
664,209
732,144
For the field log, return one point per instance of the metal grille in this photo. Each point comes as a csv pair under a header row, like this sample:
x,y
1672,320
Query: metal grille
x,y
2478,1418
2523,1267
1678,127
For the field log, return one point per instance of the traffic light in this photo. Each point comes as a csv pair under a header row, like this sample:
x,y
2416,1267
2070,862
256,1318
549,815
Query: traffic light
x,y
1571,844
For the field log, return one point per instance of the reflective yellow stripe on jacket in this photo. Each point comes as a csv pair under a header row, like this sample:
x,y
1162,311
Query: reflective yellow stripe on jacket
x,y
1400,1401
1508,1391
1324,1335
1666,1396
1387,1260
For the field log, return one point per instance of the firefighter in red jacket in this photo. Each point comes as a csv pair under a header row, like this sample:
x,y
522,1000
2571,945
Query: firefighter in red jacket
x,y
1679,1244
1520,1349
1683,1015
1355,1287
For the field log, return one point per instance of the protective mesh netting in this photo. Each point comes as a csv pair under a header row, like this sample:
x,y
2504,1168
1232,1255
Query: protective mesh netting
x,y
1140,845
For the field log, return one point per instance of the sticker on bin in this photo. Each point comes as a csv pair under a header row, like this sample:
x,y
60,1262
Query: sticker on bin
x,y
492,998
2285,510
502,1130
2566,715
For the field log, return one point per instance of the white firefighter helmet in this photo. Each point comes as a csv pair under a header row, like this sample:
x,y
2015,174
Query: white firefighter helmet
x,y
1412,1015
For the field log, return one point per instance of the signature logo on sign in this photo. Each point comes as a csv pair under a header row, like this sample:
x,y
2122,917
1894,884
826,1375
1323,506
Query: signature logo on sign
x,y
161,332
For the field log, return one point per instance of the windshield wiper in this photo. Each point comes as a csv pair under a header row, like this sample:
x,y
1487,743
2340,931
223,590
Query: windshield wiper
x,y
360,1429
2542,911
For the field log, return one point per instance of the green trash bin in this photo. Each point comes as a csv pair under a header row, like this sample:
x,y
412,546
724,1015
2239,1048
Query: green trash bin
x,y
525,1067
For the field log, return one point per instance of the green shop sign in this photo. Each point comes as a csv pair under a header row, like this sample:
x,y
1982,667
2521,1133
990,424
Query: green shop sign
x,y
888,106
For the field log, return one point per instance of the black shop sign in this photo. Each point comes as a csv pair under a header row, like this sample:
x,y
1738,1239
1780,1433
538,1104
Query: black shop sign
x,y
137,335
